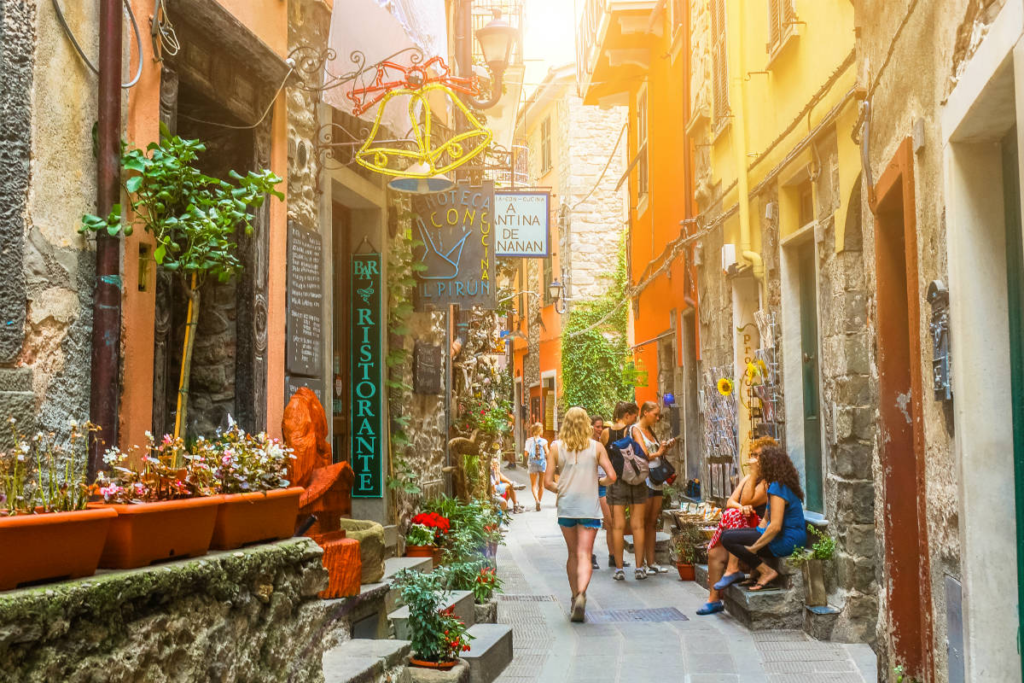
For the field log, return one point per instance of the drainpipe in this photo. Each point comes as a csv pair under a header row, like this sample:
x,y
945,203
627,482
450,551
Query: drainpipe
x,y
106,312
740,144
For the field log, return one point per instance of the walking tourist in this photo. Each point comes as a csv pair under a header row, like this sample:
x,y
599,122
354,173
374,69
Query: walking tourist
x,y
597,423
744,510
536,449
579,512
622,495
643,433
783,529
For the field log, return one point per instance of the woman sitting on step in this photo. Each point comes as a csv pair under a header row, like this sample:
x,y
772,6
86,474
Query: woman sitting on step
x,y
744,510
783,529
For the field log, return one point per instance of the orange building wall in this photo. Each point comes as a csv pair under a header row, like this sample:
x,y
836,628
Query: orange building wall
x,y
667,202
267,19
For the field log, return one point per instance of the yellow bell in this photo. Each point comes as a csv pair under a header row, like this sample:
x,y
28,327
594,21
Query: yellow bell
x,y
425,160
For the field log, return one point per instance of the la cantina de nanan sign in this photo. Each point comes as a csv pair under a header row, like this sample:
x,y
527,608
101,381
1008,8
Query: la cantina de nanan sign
x,y
457,231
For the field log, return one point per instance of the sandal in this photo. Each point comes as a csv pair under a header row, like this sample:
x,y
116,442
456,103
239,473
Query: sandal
x,y
760,586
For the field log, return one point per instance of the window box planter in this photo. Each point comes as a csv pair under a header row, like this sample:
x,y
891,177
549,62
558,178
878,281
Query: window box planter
x,y
52,546
152,532
249,518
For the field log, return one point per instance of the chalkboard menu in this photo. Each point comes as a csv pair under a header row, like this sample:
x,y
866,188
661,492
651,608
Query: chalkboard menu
x,y
426,370
314,384
305,299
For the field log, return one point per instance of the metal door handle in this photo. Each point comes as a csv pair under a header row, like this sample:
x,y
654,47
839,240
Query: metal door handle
x,y
808,359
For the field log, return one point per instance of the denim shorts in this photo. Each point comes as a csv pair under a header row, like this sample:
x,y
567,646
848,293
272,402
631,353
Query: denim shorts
x,y
569,523
602,491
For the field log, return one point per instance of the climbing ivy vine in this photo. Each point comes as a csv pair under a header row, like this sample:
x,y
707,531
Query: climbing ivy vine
x,y
597,369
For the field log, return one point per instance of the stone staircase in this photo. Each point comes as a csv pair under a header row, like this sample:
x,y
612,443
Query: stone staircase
x,y
379,649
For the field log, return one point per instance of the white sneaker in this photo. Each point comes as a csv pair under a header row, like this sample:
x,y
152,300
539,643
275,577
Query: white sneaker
x,y
619,575
656,569
640,573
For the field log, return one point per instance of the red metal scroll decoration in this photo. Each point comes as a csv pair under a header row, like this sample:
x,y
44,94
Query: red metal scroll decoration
x,y
412,78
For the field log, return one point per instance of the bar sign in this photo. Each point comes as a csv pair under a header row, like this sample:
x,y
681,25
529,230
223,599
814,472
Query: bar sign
x,y
367,398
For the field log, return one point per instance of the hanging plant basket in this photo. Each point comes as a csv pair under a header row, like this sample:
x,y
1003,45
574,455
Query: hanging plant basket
x,y
153,532
52,546
249,518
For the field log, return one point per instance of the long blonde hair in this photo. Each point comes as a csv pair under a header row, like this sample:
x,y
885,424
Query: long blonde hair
x,y
576,430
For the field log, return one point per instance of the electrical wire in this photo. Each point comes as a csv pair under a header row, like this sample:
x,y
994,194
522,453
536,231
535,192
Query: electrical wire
x,y
165,38
266,112
81,53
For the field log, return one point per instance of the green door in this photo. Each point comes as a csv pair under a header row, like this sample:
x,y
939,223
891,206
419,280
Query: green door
x,y
1015,301
809,354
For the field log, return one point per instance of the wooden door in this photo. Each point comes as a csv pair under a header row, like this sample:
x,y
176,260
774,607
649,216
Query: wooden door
x,y
809,372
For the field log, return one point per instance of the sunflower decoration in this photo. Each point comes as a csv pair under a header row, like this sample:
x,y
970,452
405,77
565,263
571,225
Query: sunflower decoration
x,y
725,386
755,369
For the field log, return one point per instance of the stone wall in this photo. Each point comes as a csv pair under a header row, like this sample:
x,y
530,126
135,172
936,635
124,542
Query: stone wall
x,y
46,303
249,615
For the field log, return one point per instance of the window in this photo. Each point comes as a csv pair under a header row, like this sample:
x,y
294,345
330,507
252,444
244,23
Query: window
x,y
806,204
545,145
641,143
719,61
781,18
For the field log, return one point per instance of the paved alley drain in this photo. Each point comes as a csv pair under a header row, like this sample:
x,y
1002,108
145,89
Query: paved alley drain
x,y
522,597
619,616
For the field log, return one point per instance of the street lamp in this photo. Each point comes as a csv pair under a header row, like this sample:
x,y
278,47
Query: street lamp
x,y
496,39
555,290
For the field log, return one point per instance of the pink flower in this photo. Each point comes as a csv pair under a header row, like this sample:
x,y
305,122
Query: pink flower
x,y
168,439
226,460
111,490
140,489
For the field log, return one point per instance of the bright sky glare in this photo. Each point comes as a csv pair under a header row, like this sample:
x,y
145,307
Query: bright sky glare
x,y
549,36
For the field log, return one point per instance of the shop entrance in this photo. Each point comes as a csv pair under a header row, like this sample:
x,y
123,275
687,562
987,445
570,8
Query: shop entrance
x,y
813,470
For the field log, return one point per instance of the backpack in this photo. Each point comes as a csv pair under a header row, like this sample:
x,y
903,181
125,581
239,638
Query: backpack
x,y
537,456
635,466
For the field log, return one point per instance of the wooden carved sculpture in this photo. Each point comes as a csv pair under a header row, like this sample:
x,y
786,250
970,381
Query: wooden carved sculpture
x,y
328,491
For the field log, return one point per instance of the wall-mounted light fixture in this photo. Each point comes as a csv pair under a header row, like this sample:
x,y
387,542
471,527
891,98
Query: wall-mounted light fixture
x,y
556,291
496,38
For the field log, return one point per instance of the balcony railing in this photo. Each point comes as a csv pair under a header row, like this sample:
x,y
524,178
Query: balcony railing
x,y
511,11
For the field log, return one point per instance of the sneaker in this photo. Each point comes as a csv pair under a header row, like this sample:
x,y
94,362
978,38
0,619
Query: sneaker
x,y
611,563
593,561
657,569
711,608
640,574
579,608
619,575
538,507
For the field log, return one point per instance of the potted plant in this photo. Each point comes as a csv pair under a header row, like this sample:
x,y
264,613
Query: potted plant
x,y
686,542
812,566
251,471
165,502
438,637
419,541
43,515
437,526
484,588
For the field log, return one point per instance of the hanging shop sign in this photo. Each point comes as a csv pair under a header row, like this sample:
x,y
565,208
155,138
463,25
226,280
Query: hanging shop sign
x,y
431,150
456,228
521,224
367,372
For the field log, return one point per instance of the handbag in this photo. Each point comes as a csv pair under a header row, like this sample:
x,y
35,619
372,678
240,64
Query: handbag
x,y
664,473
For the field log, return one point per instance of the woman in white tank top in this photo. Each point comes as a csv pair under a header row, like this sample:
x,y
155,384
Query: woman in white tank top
x,y
579,511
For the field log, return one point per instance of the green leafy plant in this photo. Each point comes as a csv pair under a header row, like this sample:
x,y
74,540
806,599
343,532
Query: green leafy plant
x,y
900,672
156,472
436,634
245,463
596,362
486,585
419,534
823,548
41,474
686,544
193,218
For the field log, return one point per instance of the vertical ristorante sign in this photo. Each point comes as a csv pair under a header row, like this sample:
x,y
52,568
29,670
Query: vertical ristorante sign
x,y
456,228
367,372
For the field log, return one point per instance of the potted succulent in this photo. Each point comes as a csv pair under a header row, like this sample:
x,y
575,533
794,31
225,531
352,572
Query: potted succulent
x,y
686,542
165,502
438,637
43,498
812,565
251,471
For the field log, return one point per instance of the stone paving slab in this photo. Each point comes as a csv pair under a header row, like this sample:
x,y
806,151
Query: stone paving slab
x,y
715,649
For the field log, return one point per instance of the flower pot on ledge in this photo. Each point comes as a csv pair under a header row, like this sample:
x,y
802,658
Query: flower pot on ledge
x,y
686,571
261,517
431,551
52,546
153,532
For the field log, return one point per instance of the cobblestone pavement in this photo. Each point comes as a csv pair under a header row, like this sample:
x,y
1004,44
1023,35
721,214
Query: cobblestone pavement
x,y
614,645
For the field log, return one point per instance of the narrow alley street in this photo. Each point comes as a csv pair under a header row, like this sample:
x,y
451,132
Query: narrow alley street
x,y
660,634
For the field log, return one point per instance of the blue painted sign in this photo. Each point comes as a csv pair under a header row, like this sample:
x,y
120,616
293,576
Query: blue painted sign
x,y
367,372
456,228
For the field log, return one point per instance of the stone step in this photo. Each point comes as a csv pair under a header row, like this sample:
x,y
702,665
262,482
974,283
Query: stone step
x,y
375,601
662,548
700,572
462,601
768,609
819,622
364,661
490,651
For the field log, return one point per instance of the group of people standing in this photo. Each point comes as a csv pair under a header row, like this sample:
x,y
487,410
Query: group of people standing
x,y
764,516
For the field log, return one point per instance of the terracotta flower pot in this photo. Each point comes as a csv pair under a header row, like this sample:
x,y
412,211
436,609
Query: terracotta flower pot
x,y
419,550
52,546
150,532
247,518
686,571
440,666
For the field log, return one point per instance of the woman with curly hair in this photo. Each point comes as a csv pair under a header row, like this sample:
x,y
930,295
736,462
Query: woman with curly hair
x,y
579,512
783,529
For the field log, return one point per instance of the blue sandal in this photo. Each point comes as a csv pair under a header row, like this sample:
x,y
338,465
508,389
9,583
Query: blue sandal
x,y
711,608
728,580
